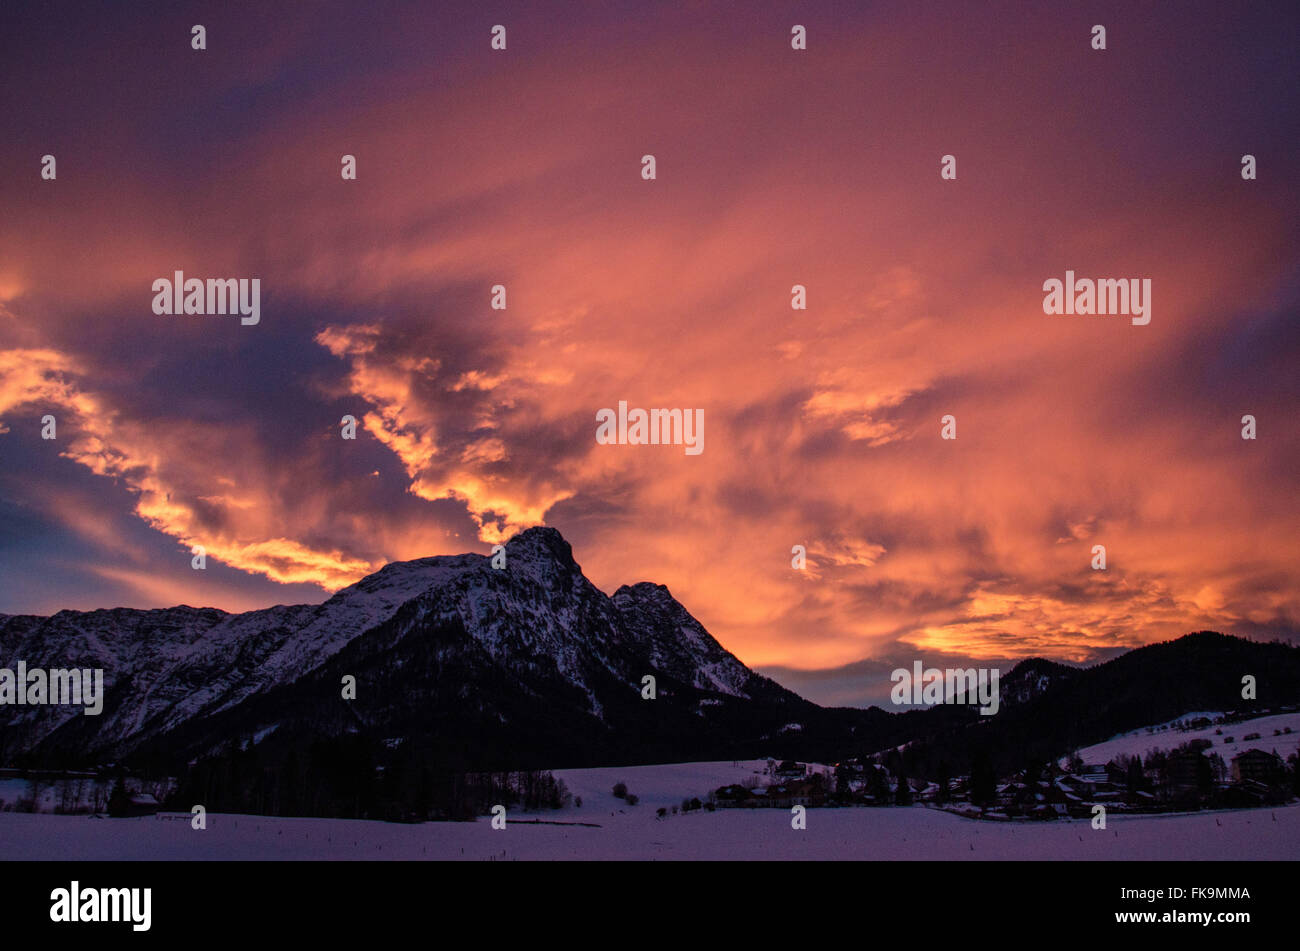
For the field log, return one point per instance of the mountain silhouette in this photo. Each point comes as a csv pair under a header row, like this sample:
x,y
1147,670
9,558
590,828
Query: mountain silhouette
x,y
530,666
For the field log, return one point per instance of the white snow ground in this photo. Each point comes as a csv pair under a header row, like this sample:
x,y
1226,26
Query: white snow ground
x,y
635,832
1140,742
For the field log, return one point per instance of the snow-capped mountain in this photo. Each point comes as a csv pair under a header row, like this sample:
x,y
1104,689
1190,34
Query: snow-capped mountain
x,y
530,657
675,643
459,666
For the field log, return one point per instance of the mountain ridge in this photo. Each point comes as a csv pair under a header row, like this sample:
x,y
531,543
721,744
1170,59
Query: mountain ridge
x,y
531,665
539,624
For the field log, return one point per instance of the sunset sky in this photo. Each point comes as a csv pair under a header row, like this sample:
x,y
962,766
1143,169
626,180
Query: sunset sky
x,y
775,167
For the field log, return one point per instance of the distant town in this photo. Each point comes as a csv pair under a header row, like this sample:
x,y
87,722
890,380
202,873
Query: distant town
x,y
1188,777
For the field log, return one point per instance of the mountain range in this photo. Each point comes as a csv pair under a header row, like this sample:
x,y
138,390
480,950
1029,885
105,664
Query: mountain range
x,y
531,666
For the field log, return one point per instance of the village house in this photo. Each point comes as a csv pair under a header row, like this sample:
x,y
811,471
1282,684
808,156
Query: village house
x,y
1247,794
731,797
1184,768
1256,765
140,804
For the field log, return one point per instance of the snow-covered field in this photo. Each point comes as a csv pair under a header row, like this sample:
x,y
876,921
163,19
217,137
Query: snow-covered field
x,y
635,833
1140,742
664,785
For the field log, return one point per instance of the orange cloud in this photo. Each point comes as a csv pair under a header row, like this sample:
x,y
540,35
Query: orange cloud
x,y
167,485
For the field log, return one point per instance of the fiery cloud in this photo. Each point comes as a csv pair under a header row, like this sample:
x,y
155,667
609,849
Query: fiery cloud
x,y
230,527
822,425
